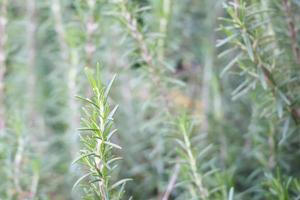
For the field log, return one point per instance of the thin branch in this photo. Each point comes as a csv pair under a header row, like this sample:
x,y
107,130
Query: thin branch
x,y
66,55
292,30
91,28
163,27
154,70
31,63
3,36
172,182
34,185
56,10
17,165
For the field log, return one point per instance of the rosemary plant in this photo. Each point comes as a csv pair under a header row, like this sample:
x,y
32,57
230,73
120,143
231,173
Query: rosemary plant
x,y
196,186
238,87
256,43
97,145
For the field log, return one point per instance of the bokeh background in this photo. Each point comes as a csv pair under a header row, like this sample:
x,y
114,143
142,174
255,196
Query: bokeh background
x,y
170,57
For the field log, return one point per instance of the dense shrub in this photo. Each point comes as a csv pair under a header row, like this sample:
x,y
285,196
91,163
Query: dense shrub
x,y
207,93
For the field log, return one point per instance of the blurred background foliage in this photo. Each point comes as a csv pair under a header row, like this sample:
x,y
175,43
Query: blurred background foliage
x,y
208,94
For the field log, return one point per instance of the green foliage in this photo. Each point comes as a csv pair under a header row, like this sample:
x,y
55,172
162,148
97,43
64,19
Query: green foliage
x,y
232,68
259,55
96,137
187,153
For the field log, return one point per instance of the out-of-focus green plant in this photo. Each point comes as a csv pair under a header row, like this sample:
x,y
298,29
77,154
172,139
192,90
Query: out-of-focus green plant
x,y
237,140
281,187
187,154
255,43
